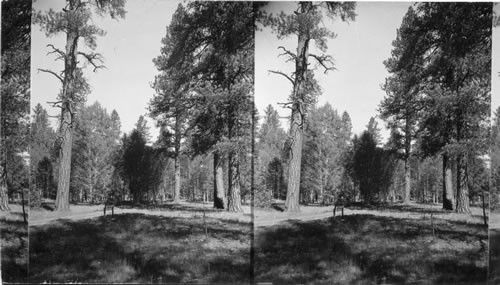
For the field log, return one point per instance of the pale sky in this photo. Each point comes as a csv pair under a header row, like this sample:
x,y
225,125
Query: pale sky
x,y
131,43
358,50
128,49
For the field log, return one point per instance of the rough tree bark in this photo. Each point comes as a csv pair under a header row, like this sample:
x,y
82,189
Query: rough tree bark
x,y
296,135
220,200
66,137
407,163
66,123
4,198
448,197
234,199
177,166
462,187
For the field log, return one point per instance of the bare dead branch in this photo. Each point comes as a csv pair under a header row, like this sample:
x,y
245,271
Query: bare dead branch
x,y
291,56
61,54
282,74
53,73
95,59
56,104
324,60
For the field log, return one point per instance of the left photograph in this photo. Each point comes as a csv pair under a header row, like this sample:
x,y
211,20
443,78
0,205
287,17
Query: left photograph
x,y
141,141
14,137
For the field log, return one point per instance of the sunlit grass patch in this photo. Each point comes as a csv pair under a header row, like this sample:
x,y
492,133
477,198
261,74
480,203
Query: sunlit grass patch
x,y
141,248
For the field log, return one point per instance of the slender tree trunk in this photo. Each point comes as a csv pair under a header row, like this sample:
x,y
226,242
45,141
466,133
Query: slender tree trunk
x,y
177,166
4,198
220,201
462,187
406,198
177,178
234,199
448,197
296,135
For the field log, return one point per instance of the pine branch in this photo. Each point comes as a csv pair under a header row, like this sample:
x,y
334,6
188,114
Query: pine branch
x,y
53,73
61,54
324,60
92,58
282,74
291,56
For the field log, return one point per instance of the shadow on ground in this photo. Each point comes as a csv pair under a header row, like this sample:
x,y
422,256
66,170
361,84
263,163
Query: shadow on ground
x,y
366,249
14,236
494,266
140,248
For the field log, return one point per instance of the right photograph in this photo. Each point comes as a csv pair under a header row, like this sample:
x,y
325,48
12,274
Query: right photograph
x,y
373,142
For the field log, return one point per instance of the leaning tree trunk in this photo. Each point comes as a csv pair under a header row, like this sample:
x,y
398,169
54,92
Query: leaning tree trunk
x,y
462,187
234,199
220,201
296,135
448,197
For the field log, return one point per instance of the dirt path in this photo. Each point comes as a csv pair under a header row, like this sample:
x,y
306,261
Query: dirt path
x,y
89,212
267,218
494,220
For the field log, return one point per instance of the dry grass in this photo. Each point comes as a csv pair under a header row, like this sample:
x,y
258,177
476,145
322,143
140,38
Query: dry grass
x,y
14,236
140,248
394,247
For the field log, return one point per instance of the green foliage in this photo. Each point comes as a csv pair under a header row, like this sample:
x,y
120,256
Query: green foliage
x,y
94,146
42,157
372,168
326,142
140,166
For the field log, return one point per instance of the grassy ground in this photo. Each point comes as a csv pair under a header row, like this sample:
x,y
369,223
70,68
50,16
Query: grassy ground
x,y
140,248
494,266
394,248
14,236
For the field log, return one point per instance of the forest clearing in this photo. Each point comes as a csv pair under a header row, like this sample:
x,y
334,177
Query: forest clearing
x,y
310,142
397,244
141,248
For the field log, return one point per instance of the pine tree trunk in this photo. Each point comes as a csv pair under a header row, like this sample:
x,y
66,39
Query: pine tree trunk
x,y
66,127
448,197
296,135
234,199
4,198
462,187
177,166
220,201
66,133
177,178
407,181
